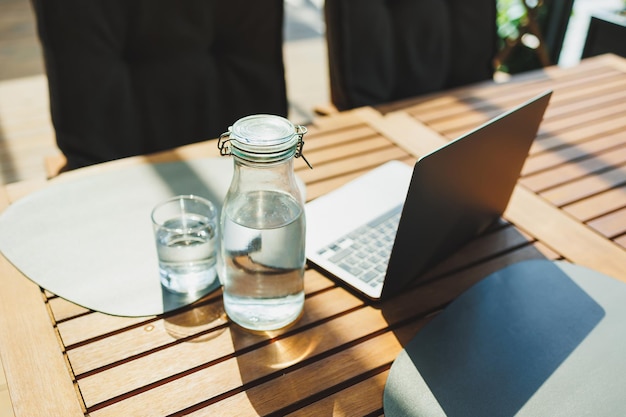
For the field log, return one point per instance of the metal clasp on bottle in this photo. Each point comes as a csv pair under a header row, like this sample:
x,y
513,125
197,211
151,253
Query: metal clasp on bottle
x,y
223,144
301,131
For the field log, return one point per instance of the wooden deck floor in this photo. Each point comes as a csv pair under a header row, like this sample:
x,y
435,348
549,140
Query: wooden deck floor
x,y
26,134
21,153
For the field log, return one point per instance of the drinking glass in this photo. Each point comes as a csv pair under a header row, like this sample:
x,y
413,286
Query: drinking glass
x,y
185,230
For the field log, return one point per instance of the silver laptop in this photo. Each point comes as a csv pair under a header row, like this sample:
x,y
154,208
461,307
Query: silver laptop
x,y
381,231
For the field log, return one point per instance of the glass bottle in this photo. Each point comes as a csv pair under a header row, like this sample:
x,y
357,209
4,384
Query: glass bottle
x,y
263,224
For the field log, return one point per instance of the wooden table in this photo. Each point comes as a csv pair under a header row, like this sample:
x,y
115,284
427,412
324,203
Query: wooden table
x,y
63,360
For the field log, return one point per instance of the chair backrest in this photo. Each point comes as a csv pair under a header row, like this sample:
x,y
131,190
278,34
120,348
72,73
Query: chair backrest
x,y
554,26
606,34
131,77
384,50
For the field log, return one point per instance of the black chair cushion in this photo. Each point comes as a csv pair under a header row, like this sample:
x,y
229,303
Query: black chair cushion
x,y
385,50
131,77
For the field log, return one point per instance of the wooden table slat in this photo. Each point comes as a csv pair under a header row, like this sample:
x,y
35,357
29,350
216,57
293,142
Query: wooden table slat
x,y
585,187
547,141
570,154
64,310
345,402
329,138
582,99
319,157
611,225
566,173
600,204
337,168
574,120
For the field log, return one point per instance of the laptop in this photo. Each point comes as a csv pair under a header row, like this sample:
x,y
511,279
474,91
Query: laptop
x,y
382,231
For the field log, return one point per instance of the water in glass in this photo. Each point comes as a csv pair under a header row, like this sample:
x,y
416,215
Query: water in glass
x,y
186,248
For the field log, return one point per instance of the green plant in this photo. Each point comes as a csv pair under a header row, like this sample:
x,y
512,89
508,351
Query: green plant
x,y
518,23
511,14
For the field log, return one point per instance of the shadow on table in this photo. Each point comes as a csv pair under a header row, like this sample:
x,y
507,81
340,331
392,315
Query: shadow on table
x,y
274,356
181,178
204,320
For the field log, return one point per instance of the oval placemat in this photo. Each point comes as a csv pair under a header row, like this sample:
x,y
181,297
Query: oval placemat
x,y
89,239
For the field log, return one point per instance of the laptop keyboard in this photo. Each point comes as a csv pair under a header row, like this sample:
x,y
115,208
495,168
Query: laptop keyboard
x,y
365,252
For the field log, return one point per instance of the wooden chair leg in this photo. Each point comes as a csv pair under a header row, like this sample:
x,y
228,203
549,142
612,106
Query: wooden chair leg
x,y
54,165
